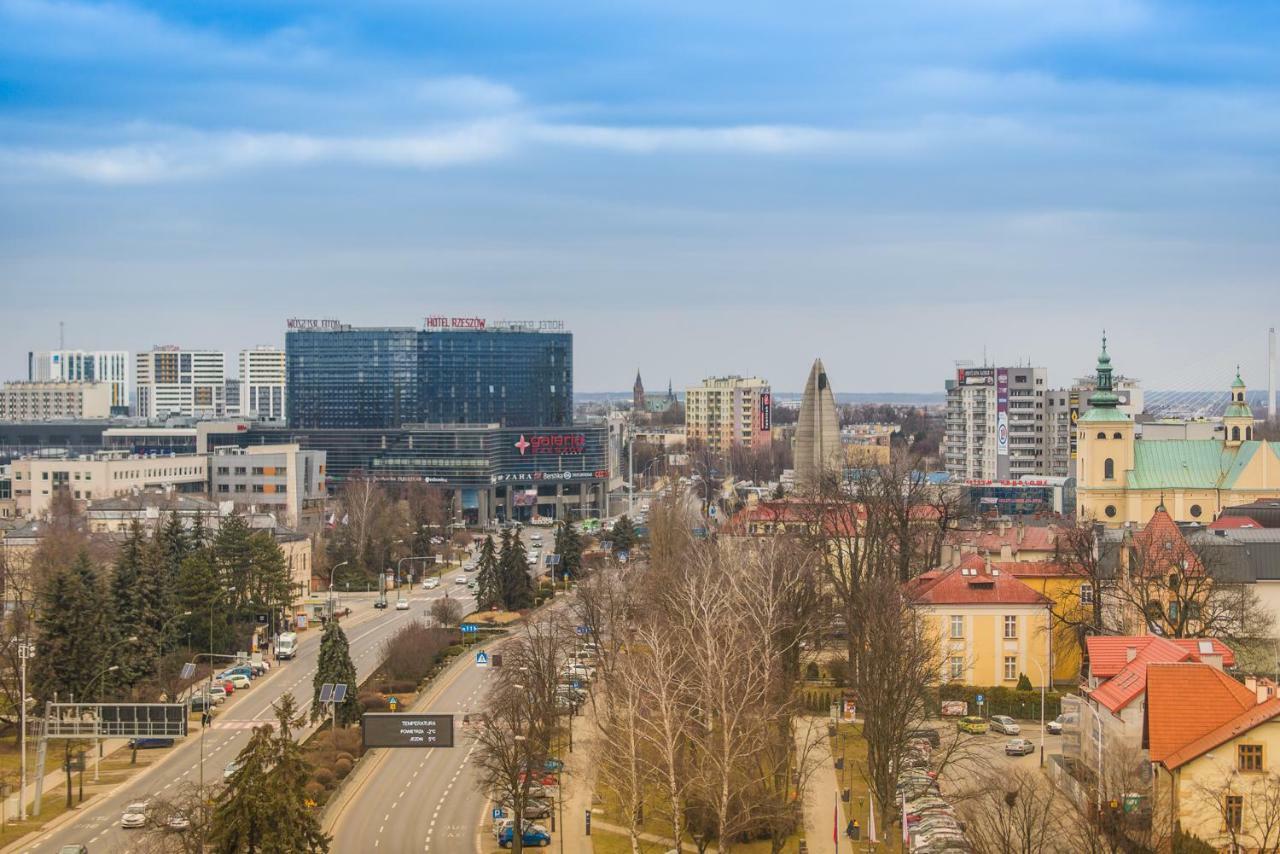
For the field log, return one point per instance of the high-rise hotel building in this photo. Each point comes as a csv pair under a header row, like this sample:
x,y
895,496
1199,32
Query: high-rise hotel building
x,y
173,381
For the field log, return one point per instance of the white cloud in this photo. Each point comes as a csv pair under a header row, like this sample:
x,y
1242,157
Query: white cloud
x,y
466,92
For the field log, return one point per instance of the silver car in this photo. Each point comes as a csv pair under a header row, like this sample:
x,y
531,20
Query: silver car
x,y
1005,724
135,815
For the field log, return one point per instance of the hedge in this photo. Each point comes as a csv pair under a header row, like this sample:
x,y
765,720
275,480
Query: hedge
x,y
1000,700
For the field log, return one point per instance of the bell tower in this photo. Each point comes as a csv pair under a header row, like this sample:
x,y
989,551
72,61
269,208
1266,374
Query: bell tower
x,y
1104,436
637,395
1237,421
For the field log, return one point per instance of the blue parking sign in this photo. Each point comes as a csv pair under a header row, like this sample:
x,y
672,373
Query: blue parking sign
x,y
498,812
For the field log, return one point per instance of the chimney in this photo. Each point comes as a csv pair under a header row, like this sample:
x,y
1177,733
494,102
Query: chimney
x,y
1006,552
1130,653
1021,531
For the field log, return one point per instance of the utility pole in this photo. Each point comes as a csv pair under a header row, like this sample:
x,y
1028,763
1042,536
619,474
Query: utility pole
x,y
26,650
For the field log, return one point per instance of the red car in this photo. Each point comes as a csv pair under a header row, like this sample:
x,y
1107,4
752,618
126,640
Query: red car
x,y
542,778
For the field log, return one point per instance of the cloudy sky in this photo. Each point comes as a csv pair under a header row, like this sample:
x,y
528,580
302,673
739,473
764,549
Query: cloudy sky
x,y
696,188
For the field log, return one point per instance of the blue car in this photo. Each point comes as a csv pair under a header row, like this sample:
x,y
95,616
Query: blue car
x,y
533,835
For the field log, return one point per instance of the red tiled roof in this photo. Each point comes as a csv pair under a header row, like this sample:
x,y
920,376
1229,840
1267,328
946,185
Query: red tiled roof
x,y
1247,720
1040,538
1192,645
1038,569
1189,705
1160,545
1224,523
1128,682
971,585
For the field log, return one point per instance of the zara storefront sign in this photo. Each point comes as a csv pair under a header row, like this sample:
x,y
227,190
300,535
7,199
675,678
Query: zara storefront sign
x,y
518,477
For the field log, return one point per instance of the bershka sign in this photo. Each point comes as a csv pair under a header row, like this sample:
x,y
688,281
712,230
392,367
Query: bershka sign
x,y
439,321
551,443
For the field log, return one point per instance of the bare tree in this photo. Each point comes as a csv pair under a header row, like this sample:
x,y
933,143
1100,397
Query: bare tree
x,y
446,611
1247,807
176,824
1014,812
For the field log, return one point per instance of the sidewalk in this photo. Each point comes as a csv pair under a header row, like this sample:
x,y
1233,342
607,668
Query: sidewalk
x,y
579,785
59,777
822,795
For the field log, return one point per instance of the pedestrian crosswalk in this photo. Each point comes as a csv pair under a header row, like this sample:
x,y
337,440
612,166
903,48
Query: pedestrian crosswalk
x,y
236,724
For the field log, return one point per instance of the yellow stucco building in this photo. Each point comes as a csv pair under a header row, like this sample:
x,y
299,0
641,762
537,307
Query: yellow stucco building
x,y
1121,478
991,627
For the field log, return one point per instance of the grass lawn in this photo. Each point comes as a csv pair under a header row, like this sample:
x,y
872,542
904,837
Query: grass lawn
x,y
655,824
849,740
10,759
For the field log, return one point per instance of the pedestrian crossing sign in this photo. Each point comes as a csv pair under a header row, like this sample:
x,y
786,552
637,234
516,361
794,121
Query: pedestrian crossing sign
x,y
482,659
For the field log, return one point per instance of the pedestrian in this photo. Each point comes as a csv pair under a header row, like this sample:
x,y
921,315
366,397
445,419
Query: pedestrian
x,y
848,831
204,719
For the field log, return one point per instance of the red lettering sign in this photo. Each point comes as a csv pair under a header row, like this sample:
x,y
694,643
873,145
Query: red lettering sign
x,y
552,443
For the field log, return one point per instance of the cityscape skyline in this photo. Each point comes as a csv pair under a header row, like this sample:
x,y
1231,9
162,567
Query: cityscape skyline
x,y
957,176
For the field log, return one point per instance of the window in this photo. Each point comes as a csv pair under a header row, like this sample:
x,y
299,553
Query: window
x,y
241,470
1196,511
1086,594
222,487
957,667
1233,811
1116,436
257,470
257,487
1101,435
1110,511
1010,627
1011,668
1250,756
1235,437
240,487
1173,581
1109,469
224,470
957,627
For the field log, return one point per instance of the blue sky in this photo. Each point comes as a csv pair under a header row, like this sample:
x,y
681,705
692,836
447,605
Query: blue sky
x,y
695,188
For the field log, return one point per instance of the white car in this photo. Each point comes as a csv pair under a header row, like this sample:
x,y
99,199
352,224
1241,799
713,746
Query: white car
x,y
532,559
402,604
461,579
230,770
535,536
237,680
135,815
431,583
218,695
178,823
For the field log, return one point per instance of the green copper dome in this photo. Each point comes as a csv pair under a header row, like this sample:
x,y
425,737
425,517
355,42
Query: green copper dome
x,y
1103,402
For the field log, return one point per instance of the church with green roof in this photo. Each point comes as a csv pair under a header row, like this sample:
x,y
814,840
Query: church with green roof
x,y
1123,479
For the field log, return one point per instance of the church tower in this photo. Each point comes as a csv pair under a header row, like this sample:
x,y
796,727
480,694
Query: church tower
x,y
637,395
1104,436
1237,421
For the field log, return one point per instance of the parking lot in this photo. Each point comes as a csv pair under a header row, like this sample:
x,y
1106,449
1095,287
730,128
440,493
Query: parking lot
x,y
980,755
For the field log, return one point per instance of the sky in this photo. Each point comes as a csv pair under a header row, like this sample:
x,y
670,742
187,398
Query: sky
x,y
694,188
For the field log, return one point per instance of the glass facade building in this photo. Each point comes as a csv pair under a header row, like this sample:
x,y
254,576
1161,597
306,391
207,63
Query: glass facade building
x,y
387,377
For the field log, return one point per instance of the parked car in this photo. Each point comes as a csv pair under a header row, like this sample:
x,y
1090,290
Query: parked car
x,y
543,778
149,743
972,724
533,808
135,815
461,579
430,583
1054,727
218,694
1018,747
238,680
1005,724
230,770
531,835
929,735
243,669
199,704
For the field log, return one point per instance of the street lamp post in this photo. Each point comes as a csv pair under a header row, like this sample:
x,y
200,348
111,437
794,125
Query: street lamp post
x,y
89,693
208,694
26,651
400,566
164,631
332,571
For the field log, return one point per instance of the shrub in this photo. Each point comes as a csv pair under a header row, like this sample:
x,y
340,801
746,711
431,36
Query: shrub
x,y
350,742
314,791
452,650
1024,684
325,777
343,755
342,768
407,655
373,703
403,686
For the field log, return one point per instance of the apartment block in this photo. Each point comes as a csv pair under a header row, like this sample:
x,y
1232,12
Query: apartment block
x,y
173,381
725,412
54,401
97,366
996,422
262,384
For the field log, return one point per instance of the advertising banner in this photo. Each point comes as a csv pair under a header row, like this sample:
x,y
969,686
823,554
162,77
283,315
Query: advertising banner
x,y
766,412
1075,419
1002,413
976,376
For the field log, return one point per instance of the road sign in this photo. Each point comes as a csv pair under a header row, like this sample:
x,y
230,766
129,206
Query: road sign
x,y
261,618
582,630
385,729
577,686
978,699
188,670
498,813
26,650
468,628
482,659
393,703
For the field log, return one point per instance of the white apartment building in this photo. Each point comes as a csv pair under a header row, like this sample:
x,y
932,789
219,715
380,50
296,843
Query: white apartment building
x,y
731,411
173,381
102,366
281,479
997,422
262,386
102,475
51,401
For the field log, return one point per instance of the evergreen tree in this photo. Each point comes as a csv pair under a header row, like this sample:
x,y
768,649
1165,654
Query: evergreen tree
x,y
263,807
200,592
173,545
513,570
136,608
623,535
271,588
335,666
569,547
488,577
233,552
72,628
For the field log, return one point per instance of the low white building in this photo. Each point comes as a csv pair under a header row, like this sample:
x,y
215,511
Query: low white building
x,y
54,400
283,479
102,475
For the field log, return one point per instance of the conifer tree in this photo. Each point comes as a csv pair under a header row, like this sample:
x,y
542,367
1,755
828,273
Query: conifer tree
x,y
623,535
335,666
234,555
569,548
200,592
136,608
71,627
488,577
513,569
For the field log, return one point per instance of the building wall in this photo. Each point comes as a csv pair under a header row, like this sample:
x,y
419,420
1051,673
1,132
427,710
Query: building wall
x,y
108,366
46,401
726,411
1192,792
971,443
262,384
1064,592
172,381
34,480
983,648
284,478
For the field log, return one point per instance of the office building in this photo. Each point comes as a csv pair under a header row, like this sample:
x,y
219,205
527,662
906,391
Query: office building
x,y
173,381
996,425
101,366
281,479
728,412
819,451
456,371
261,392
1124,479
50,401
101,475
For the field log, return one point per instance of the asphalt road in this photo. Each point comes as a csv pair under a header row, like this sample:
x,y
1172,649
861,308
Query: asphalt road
x,y
98,823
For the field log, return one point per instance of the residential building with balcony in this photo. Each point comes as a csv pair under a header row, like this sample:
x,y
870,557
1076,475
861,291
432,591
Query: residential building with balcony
x,y
727,412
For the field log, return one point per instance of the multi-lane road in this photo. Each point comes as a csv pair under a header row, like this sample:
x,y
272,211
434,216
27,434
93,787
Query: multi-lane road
x,y
97,824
